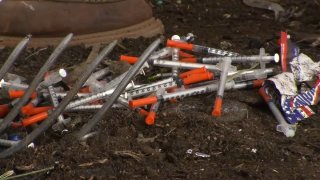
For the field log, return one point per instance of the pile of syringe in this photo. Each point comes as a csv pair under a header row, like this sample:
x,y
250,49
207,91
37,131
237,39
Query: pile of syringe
x,y
208,71
193,70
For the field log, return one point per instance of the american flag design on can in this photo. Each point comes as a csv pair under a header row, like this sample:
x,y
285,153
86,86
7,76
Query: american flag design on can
x,y
296,108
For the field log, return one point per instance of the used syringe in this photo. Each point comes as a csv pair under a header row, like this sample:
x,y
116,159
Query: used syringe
x,y
194,91
200,49
236,59
149,120
287,129
170,83
183,65
216,111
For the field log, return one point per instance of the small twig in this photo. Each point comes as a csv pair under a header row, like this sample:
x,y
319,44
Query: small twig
x,y
102,161
128,154
36,53
121,46
29,173
142,139
313,145
170,132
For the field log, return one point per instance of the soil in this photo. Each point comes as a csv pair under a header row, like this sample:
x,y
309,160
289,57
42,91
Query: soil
x,y
242,144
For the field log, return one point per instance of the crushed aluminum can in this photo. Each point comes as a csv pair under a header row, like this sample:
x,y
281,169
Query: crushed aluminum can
x,y
303,68
294,115
285,83
296,108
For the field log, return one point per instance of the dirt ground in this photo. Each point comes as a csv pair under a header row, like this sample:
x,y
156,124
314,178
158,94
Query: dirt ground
x,y
242,144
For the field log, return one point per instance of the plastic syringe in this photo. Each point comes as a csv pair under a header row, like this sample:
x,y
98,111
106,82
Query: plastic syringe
x,y
149,120
287,129
226,63
192,92
183,65
236,59
170,83
200,49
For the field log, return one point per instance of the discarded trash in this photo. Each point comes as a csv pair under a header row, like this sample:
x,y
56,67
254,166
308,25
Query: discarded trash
x,y
278,9
50,116
281,91
200,49
254,150
117,92
288,49
303,68
191,92
235,59
198,154
192,70
223,80
283,126
153,109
